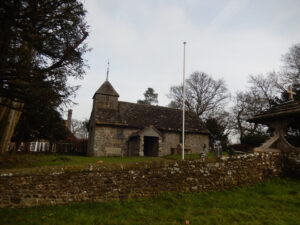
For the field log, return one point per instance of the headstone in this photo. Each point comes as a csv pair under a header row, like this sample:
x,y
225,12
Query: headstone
x,y
110,151
218,152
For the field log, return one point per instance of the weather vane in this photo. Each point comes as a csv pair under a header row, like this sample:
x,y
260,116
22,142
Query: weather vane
x,y
107,72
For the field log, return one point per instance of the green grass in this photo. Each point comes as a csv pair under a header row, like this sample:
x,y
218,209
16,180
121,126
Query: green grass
x,y
209,156
35,160
179,156
275,202
40,160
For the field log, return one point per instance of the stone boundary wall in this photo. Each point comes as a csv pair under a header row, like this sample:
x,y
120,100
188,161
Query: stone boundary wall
x,y
145,179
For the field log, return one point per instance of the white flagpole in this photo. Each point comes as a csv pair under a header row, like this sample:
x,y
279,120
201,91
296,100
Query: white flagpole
x,y
183,101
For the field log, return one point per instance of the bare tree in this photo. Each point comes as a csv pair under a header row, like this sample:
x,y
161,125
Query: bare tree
x,y
290,73
291,69
204,95
246,105
79,128
263,93
265,88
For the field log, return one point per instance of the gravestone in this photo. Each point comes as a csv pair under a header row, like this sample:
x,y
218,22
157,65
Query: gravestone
x,y
111,151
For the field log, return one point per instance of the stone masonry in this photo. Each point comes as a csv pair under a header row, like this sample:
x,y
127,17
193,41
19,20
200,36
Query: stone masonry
x,y
99,183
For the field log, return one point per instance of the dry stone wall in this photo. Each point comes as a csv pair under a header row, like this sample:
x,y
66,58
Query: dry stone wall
x,y
292,163
98,183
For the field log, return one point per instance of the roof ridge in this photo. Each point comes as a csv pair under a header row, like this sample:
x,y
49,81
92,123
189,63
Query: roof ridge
x,y
158,106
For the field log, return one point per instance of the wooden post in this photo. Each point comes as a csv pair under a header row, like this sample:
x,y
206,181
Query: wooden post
x,y
9,118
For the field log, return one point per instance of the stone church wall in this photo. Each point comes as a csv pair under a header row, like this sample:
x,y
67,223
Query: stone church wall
x,y
61,185
113,141
170,141
196,142
109,140
193,142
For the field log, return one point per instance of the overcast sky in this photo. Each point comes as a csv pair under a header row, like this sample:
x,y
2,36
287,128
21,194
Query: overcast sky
x,y
228,39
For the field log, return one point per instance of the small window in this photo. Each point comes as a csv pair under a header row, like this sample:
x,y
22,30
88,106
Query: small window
x,y
119,133
180,138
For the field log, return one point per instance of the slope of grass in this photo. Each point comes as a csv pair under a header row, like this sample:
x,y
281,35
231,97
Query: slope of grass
x,y
209,156
39,160
34,160
275,202
179,156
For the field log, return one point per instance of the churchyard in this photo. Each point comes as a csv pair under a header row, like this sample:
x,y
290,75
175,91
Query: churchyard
x,y
222,149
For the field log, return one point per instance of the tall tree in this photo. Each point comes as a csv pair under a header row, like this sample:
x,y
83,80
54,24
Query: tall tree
x,y
204,95
150,97
291,70
246,105
262,94
265,89
42,44
291,75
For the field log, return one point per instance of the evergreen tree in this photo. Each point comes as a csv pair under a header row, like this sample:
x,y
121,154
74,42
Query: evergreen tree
x,y
150,97
42,44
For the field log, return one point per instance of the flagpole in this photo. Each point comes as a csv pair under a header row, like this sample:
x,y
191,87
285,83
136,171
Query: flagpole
x,y
183,101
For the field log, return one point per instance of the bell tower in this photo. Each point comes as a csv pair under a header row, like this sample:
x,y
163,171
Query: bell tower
x,y
106,97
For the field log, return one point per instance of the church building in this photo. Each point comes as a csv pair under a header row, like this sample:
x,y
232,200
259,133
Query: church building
x,y
118,128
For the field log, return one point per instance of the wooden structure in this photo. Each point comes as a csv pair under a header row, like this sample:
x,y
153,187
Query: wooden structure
x,y
279,118
10,112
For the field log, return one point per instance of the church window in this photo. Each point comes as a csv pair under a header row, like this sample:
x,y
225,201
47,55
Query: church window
x,y
119,133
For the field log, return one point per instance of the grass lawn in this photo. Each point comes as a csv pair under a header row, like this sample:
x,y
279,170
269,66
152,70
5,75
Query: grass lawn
x,y
39,160
274,202
34,160
209,156
179,156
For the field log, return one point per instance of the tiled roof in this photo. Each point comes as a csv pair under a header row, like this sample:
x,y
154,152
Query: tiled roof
x,y
107,89
282,111
140,116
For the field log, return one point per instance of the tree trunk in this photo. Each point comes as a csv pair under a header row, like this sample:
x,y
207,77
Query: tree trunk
x,y
240,126
9,117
